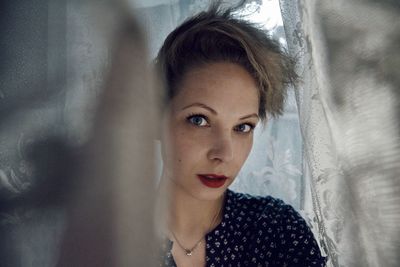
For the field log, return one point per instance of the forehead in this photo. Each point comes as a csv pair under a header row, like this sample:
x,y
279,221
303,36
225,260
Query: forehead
x,y
220,85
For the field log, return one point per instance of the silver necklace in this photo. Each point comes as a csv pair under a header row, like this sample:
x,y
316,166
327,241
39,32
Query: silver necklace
x,y
189,252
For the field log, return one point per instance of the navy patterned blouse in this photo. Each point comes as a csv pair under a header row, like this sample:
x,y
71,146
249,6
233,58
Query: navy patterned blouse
x,y
257,231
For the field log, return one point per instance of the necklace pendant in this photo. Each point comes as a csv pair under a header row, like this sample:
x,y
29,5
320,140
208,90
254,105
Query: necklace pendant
x,y
188,252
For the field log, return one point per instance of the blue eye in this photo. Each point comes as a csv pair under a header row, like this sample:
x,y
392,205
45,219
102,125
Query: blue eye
x,y
198,120
244,128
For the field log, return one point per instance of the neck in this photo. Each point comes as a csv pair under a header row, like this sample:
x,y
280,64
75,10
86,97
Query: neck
x,y
186,215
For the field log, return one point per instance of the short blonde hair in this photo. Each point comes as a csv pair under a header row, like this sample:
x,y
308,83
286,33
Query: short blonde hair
x,y
215,36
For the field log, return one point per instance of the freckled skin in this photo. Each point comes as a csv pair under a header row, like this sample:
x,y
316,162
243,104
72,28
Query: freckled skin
x,y
217,148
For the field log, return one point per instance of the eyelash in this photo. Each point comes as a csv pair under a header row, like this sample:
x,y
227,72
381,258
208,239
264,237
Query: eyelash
x,y
191,116
252,126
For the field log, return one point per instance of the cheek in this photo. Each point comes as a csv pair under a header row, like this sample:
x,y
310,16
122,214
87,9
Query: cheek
x,y
243,150
184,148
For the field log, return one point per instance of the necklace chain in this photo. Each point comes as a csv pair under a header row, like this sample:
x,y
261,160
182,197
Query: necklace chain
x,y
189,252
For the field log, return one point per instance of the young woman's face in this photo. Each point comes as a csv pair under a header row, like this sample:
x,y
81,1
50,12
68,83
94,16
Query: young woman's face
x,y
209,129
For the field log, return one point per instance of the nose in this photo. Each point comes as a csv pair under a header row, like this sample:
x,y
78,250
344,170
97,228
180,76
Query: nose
x,y
221,148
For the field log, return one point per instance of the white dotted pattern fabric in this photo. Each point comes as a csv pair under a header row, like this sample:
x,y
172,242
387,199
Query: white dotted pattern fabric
x,y
257,231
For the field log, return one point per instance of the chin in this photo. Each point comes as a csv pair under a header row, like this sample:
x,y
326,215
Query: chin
x,y
209,194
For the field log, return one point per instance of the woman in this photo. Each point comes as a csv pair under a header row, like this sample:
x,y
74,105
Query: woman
x,y
223,76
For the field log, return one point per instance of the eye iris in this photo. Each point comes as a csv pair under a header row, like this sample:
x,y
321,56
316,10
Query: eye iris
x,y
244,128
197,120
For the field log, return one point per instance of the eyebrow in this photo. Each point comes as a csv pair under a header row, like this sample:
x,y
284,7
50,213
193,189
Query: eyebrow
x,y
250,116
202,106
215,113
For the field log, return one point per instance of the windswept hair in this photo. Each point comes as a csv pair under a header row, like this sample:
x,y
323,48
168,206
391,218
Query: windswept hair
x,y
216,35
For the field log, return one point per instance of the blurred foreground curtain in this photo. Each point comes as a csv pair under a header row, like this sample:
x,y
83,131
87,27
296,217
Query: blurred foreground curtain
x,y
349,107
78,115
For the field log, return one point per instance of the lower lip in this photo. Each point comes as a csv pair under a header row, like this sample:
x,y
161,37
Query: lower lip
x,y
213,183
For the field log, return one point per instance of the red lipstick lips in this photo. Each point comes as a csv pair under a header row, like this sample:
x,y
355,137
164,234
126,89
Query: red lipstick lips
x,y
212,180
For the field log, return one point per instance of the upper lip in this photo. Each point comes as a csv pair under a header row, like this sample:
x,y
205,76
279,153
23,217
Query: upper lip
x,y
216,176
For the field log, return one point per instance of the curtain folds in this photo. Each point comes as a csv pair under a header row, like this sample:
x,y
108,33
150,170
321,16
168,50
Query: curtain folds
x,y
334,155
319,166
348,105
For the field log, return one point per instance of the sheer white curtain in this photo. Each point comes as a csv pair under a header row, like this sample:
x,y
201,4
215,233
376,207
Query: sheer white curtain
x,y
334,154
349,107
66,63
320,164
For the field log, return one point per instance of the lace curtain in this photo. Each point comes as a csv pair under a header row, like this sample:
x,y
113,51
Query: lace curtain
x,y
333,155
349,107
73,188
320,164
